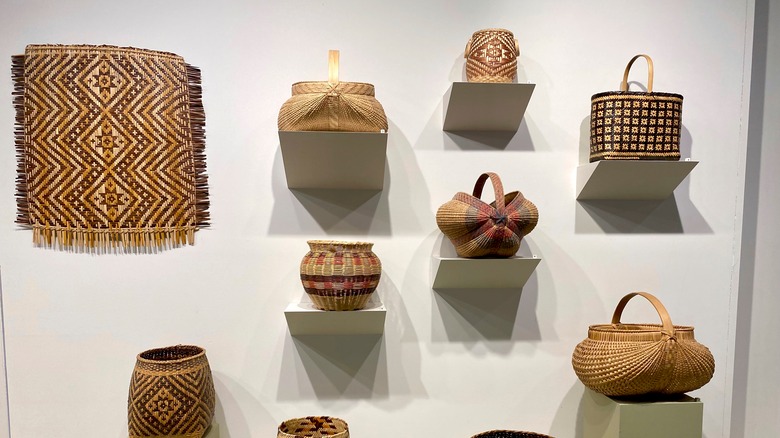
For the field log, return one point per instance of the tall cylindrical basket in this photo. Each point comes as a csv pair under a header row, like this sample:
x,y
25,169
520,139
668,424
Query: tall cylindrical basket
x,y
340,275
171,393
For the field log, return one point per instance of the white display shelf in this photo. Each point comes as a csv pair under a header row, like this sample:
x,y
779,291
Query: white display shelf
x,y
304,319
475,106
334,160
631,179
606,417
482,273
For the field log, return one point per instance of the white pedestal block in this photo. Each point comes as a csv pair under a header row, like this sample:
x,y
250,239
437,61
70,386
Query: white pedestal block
x,y
304,319
474,106
631,179
606,417
334,160
463,273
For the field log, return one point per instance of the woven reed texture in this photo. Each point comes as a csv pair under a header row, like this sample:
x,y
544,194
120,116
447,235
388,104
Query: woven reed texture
x,y
314,427
636,359
479,229
171,393
633,125
491,56
322,106
110,144
509,434
340,275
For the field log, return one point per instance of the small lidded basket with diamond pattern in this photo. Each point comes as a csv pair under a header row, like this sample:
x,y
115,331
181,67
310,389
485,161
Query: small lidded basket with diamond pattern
x,y
491,56
171,393
635,125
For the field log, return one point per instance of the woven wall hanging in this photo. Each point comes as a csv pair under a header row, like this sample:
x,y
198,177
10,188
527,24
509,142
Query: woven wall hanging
x,y
635,125
110,146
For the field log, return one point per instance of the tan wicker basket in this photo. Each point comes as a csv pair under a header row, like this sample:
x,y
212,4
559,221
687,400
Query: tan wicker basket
x,y
491,56
314,427
635,359
340,275
332,105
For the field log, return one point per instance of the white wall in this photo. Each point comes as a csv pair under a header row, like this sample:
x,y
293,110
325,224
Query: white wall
x,y
757,351
447,366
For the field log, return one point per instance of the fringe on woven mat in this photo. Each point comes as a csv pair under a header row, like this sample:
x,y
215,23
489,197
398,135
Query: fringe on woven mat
x,y
112,241
198,130
22,201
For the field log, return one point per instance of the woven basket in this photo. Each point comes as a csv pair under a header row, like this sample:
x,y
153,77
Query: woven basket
x,y
635,359
479,229
332,105
509,434
313,427
635,125
491,56
171,393
340,275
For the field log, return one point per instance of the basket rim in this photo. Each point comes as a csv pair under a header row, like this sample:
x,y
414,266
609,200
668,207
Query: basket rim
x,y
636,93
339,82
493,29
338,242
637,328
201,352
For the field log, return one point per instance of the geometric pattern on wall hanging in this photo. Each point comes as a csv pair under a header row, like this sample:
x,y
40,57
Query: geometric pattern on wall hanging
x,y
110,145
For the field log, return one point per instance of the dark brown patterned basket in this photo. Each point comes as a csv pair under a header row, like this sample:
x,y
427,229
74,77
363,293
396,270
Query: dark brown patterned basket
x,y
510,434
171,393
635,125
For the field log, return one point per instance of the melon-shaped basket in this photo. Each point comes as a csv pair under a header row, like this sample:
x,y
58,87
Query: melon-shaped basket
x,y
635,359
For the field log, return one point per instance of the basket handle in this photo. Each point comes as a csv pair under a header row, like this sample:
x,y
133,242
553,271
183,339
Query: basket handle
x,y
517,48
624,84
498,188
666,320
333,67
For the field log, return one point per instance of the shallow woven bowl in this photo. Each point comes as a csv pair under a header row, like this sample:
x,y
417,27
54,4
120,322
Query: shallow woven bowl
x,y
510,434
313,427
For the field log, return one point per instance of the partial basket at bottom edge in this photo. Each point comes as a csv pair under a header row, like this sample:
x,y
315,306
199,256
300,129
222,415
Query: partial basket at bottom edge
x,y
510,434
313,427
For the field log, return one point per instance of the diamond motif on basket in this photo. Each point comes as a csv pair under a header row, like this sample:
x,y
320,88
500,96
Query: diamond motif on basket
x,y
163,405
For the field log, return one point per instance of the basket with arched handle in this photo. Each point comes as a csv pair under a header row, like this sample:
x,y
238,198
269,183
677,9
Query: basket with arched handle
x,y
635,125
621,359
